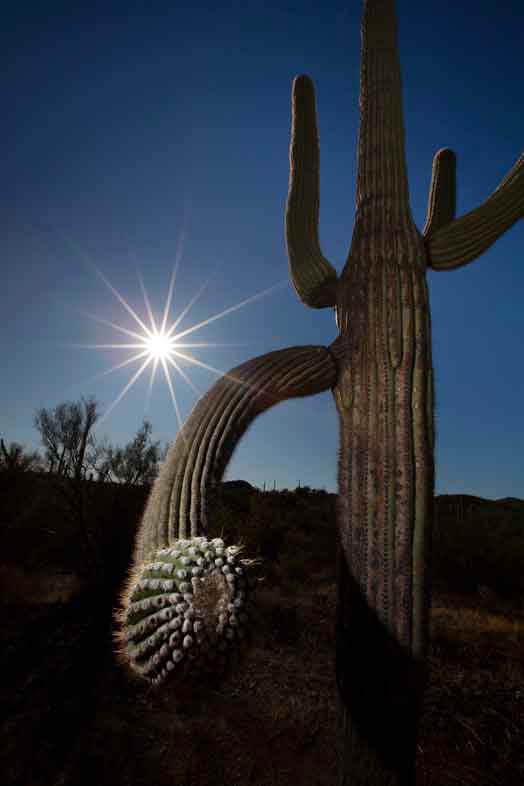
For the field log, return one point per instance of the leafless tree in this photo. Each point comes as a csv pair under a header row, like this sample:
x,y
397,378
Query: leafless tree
x,y
14,458
135,464
16,467
66,434
73,455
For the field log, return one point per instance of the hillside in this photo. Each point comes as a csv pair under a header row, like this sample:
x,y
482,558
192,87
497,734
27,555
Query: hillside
x,y
477,542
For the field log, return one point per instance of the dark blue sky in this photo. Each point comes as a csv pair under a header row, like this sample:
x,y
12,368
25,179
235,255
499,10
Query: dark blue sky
x,y
122,125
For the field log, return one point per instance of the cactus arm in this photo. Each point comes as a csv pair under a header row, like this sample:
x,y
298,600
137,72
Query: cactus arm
x,y
178,504
313,277
461,241
186,605
442,192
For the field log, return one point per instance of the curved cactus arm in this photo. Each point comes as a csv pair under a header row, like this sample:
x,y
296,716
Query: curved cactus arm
x,y
313,277
178,504
463,240
186,607
442,192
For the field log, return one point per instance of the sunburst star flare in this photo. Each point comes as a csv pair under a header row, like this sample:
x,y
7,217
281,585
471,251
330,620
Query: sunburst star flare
x,y
159,343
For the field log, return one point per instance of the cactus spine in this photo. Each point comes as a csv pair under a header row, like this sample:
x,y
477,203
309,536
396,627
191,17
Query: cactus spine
x,y
186,610
380,370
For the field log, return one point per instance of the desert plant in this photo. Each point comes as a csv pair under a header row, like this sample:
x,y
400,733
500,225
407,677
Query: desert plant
x,y
15,460
67,436
380,371
186,610
135,464
176,518
66,433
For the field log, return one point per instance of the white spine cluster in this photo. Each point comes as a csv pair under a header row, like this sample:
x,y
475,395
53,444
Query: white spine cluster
x,y
187,609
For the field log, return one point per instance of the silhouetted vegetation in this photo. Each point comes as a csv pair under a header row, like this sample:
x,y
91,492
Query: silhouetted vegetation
x,y
89,723
59,494
479,543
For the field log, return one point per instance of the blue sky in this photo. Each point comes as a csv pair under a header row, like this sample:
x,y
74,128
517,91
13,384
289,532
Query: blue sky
x,y
127,128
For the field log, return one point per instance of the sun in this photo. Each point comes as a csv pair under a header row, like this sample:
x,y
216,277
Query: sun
x,y
158,344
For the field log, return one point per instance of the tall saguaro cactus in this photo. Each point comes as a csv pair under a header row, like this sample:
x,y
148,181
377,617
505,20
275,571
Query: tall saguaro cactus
x,y
187,601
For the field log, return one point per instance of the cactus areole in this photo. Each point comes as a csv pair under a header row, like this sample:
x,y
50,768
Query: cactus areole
x,y
187,603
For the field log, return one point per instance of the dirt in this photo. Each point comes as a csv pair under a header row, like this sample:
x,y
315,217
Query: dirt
x,y
72,717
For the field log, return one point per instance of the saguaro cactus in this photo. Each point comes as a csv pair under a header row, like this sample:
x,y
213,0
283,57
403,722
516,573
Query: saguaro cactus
x,y
380,371
180,582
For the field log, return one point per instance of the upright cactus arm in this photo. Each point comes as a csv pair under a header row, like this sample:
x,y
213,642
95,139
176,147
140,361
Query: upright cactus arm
x,y
442,192
314,278
186,597
453,243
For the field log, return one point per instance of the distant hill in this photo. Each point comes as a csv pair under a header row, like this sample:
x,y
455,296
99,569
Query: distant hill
x,y
461,506
476,541
237,485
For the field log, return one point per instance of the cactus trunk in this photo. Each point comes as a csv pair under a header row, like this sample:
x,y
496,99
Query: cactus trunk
x,y
384,399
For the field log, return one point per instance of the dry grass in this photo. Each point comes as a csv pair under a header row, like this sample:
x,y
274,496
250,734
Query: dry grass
x,y
38,586
272,721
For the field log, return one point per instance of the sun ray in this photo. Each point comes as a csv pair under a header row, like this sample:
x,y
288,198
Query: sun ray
x,y
108,346
126,362
159,344
228,310
198,362
173,397
185,376
101,374
212,344
146,300
191,303
124,391
87,259
145,341
151,380
214,370
178,257
122,300
112,324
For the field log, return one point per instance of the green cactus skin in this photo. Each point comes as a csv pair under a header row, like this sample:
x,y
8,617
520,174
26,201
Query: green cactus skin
x,y
185,612
384,396
180,579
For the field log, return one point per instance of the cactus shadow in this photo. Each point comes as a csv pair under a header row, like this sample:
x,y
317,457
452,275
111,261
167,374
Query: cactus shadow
x,y
380,685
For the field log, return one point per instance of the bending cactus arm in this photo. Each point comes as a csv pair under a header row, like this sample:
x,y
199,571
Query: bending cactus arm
x,y
177,507
186,596
453,243
313,277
